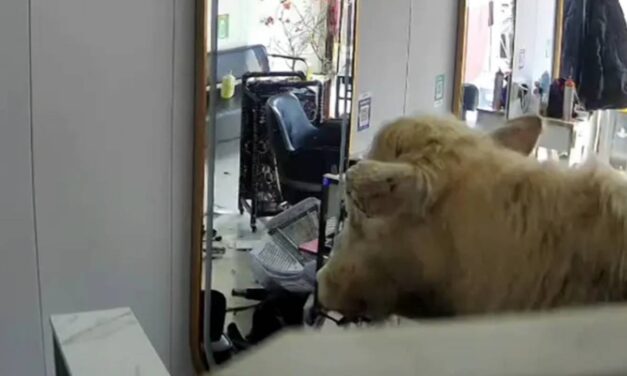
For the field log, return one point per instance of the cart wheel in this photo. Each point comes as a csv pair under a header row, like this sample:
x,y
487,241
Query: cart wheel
x,y
253,228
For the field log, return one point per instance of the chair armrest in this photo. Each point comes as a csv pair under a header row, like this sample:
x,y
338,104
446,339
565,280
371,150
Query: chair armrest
x,y
312,149
282,74
293,58
321,149
329,135
317,161
335,122
335,125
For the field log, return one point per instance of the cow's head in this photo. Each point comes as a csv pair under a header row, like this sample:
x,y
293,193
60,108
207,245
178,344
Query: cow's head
x,y
390,254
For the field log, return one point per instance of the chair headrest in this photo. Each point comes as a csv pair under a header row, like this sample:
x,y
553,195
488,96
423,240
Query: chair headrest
x,y
290,119
471,97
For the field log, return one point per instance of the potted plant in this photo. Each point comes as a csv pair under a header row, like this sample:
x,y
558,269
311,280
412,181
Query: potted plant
x,y
302,28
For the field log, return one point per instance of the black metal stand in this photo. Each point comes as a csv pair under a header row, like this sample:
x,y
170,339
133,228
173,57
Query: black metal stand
x,y
323,251
259,187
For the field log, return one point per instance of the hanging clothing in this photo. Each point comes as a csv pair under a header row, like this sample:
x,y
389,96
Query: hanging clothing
x,y
595,52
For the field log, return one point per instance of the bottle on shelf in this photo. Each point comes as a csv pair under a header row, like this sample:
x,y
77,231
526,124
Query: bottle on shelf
x,y
228,86
569,99
499,80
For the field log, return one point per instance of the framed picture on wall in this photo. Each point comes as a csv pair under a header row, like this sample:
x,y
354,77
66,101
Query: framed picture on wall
x,y
223,26
438,96
364,111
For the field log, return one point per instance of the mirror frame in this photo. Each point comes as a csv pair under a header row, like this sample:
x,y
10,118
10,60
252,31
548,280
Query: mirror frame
x,y
460,66
354,106
460,60
200,140
558,39
203,137
199,157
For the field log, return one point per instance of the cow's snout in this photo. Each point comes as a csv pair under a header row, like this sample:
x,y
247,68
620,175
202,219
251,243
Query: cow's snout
x,y
340,289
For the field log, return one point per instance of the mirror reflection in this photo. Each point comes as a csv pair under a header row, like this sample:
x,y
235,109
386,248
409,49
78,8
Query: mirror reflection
x,y
532,72
280,106
507,60
279,92
488,56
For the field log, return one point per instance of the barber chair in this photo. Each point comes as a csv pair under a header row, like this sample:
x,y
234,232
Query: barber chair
x,y
470,99
304,151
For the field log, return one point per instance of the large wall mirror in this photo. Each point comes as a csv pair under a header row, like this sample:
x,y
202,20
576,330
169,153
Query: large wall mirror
x,y
506,63
274,85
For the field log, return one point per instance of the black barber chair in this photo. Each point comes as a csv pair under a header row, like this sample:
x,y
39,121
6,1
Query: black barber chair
x,y
304,151
470,99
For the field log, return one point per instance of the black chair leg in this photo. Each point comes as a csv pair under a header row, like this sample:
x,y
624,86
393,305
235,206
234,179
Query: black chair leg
x,y
253,218
216,237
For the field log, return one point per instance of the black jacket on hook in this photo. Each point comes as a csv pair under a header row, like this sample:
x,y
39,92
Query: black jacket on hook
x,y
595,52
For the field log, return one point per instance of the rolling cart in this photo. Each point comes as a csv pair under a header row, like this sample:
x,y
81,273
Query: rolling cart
x,y
259,188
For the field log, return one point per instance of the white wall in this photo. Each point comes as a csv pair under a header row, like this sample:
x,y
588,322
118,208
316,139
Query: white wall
x,y
112,115
545,35
535,30
382,62
21,351
403,46
246,28
433,44
244,18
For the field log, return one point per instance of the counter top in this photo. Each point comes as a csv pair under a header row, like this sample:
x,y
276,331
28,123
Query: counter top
x,y
106,343
565,343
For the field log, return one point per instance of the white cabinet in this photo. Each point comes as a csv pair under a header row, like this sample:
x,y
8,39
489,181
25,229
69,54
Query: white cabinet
x,y
570,142
96,172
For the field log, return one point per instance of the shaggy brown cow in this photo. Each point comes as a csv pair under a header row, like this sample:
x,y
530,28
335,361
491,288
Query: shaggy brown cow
x,y
446,221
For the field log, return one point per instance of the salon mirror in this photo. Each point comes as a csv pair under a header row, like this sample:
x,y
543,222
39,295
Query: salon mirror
x,y
505,59
274,78
533,62
485,60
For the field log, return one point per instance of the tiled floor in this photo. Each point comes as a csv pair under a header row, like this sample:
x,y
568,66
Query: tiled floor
x,y
226,177
232,269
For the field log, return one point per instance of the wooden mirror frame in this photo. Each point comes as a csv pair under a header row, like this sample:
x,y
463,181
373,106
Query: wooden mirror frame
x,y
203,137
460,57
460,66
200,136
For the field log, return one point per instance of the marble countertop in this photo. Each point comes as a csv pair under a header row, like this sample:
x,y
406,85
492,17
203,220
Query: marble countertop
x,y
584,342
110,342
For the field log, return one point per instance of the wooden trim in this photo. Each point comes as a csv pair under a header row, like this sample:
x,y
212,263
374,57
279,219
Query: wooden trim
x,y
200,113
515,53
460,58
558,41
329,53
355,96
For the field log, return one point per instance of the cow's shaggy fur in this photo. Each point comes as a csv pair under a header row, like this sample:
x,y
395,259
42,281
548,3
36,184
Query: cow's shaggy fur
x,y
446,221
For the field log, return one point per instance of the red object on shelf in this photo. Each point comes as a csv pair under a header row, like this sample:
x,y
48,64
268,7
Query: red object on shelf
x,y
309,247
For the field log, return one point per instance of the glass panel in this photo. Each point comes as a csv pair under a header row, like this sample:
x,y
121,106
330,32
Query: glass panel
x,y
271,139
490,46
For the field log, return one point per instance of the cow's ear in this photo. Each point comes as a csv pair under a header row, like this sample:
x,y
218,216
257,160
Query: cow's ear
x,y
520,134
